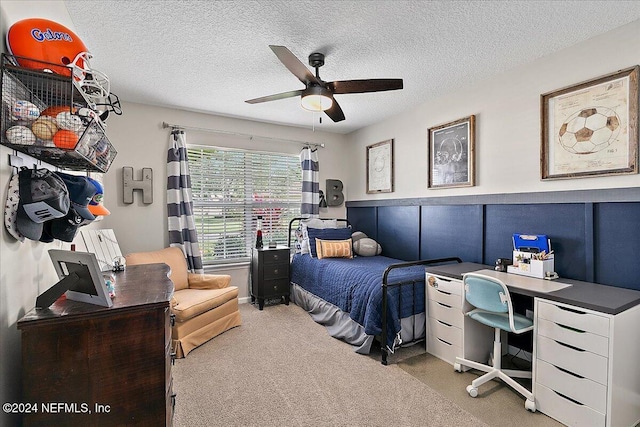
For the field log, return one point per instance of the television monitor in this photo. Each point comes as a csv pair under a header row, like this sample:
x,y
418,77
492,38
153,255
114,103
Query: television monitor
x,y
80,277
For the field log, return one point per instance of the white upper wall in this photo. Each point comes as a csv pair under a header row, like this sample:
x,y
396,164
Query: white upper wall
x,y
507,110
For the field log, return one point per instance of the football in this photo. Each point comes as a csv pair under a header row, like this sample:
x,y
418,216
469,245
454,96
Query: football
x,y
20,135
68,121
367,247
22,110
589,130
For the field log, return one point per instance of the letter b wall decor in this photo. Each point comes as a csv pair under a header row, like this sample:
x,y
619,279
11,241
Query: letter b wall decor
x,y
129,184
335,196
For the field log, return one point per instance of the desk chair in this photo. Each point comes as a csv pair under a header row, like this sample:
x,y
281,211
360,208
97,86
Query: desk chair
x,y
493,307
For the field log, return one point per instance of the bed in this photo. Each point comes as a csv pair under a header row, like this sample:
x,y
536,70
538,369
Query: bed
x,y
363,298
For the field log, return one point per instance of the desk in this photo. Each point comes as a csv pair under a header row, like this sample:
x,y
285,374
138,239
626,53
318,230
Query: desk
x,y
586,346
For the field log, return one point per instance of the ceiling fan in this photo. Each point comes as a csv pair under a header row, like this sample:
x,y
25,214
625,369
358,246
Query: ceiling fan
x,y
318,94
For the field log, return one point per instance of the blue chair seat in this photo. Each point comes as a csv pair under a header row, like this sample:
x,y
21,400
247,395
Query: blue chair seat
x,y
500,320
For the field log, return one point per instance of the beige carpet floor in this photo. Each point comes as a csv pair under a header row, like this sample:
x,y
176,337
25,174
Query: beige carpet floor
x,y
281,369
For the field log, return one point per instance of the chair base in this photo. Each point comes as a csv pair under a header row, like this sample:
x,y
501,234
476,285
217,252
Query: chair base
x,y
496,371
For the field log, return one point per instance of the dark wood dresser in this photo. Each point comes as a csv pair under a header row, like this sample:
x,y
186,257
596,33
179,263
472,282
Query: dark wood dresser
x,y
270,274
86,365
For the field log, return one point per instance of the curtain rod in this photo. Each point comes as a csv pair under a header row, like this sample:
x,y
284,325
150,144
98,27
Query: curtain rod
x,y
246,135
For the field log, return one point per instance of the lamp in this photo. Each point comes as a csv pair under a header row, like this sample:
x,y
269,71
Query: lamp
x,y
323,202
316,98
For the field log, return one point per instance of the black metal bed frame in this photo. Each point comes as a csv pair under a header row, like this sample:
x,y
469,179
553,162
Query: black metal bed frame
x,y
385,289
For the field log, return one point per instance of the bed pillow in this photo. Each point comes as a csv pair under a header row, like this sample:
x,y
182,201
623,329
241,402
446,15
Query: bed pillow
x,y
325,234
302,237
334,248
367,247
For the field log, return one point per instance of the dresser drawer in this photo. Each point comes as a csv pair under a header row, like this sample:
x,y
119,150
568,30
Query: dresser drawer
x,y
275,287
580,362
442,349
574,318
446,332
583,390
276,271
566,411
445,284
450,315
272,257
583,340
443,296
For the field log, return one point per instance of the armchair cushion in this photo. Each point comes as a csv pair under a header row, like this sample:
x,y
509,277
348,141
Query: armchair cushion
x,y
208,281
193,302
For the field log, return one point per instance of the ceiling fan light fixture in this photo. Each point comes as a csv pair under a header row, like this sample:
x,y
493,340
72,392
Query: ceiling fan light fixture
x,y
316,98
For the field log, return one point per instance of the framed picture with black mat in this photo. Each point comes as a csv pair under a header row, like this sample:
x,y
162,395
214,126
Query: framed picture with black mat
x,y
452,154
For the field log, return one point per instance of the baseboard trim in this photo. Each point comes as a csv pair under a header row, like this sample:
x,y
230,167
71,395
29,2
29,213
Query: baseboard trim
x,y
244,300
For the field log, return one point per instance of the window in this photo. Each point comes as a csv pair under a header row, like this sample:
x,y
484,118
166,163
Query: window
x,y
231,188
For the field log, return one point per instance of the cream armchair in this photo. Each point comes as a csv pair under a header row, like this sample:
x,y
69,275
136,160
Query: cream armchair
x,y
204,305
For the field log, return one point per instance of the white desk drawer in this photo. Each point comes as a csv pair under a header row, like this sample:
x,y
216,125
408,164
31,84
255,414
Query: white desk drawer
x,y
440,295
565,410
450,315
442,349
583,390
445,284
580,362
584,340
574,318
448,333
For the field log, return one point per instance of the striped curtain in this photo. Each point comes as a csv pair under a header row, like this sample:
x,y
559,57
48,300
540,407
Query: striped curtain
x,y
181,225
310,183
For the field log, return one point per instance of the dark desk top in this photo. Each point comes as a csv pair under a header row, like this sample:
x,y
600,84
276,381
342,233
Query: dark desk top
x,y
592,296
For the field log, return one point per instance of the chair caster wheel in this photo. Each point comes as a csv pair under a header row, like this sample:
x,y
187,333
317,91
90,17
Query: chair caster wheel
x,y
473,391
457,367
530,405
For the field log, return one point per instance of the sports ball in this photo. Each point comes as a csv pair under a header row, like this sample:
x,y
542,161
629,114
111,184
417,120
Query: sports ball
x,y
68,121
54,110
20,135
589,130
65,139
367,247
44,128
357,235
24,110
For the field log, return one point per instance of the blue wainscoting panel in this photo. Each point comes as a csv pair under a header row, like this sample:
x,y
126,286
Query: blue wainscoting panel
x,y
364,219
451,231
617,244
564,224
399,231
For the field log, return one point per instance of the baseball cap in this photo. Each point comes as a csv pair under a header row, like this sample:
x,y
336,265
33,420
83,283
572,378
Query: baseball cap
x,y
65,228
43,196
95,205
81,192
11,208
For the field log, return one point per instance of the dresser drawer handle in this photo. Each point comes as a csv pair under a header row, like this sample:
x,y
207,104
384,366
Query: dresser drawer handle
x,y
444,342
580,331
275,256
172,319
173,357
568,372
443,323
568,398
443,292
571,347
444,305
275,271
571,310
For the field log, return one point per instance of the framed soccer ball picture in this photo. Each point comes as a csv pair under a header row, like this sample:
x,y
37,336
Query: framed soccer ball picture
x,y
591,128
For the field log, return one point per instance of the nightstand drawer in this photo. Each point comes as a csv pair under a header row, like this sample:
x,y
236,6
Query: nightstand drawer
x,y
583,340
574,360
275,287
566,411
574,318
440,294
450,315
444,284
583,390
442,349
271,256
276,271
446,332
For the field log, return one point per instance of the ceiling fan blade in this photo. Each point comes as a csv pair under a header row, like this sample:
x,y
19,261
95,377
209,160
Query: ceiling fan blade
x,y
335,112
294,65
275,97
362,86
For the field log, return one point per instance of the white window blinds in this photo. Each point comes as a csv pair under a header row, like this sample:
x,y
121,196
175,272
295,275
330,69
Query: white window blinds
x,y
231,188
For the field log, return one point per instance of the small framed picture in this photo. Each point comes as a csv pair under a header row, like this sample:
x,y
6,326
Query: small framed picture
x,y
452,154
591,128
380,167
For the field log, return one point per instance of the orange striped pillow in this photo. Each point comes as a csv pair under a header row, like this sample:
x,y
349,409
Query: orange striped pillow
x,y
334,248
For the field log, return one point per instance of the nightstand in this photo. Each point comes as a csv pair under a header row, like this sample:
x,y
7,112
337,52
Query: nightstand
x,y
269,274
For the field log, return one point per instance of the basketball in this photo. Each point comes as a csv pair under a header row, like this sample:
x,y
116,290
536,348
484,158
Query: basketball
x,y
65,139
66,120
20,135
54,110
44,128
24,111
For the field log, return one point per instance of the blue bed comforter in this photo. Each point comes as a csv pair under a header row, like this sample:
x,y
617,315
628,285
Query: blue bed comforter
x,y
355,286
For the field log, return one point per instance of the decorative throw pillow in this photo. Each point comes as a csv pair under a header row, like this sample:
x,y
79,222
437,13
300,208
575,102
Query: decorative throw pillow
x,y
334,248
326,234
367,247
302,237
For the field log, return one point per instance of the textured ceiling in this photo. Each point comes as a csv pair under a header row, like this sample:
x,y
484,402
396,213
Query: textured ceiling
x,y
211,56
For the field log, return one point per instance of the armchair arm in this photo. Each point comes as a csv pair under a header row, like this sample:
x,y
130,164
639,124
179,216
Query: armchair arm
x,y
208,281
